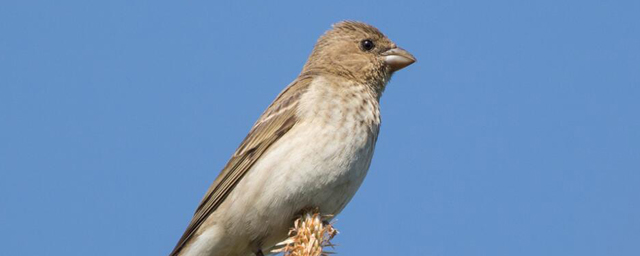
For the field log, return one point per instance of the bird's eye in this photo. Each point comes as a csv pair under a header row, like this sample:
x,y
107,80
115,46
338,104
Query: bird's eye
x,y
367,45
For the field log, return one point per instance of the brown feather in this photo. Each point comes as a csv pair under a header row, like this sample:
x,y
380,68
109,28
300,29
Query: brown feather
x,y
279,118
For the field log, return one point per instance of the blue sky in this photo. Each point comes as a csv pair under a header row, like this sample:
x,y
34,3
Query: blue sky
x,y
516,133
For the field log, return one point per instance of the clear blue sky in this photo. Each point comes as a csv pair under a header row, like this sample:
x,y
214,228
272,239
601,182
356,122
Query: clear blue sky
x,y
517,132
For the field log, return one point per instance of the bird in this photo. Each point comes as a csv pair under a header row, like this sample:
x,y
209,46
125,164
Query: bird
x,y
311,148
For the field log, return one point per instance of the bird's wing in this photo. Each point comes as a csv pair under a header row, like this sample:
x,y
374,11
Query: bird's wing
x,y
276,121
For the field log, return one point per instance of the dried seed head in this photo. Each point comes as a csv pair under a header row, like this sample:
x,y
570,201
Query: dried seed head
x,y
309,235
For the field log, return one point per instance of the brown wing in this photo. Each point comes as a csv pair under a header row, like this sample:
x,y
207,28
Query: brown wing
x,y
276,121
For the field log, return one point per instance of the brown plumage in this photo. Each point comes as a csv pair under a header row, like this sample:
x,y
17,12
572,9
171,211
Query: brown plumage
x,y
338,52
310,148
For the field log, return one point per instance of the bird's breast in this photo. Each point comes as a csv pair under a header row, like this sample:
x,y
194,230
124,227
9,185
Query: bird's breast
x,y
332,144
324,158
319,163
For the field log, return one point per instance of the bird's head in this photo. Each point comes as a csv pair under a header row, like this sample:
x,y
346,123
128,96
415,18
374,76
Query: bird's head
x,y
357,51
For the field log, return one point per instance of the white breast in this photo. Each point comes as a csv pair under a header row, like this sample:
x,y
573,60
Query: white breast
x,y
319,163
327,154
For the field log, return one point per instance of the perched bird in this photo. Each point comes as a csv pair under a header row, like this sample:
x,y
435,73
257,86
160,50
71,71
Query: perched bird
x,y
311,148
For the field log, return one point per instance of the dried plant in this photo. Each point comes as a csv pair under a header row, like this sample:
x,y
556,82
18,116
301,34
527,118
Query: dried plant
x,y
310,234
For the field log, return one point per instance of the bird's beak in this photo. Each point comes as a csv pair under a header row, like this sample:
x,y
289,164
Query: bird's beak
x,y
397,58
